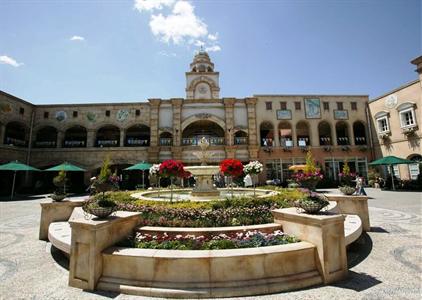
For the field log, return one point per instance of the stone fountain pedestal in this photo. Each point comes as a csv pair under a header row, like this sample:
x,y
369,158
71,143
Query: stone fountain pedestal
x,y
204,188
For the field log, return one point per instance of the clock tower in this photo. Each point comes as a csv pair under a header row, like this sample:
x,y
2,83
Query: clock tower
x,y
201,80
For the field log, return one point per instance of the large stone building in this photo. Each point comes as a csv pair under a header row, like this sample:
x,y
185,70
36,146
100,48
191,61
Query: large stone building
x,y
397,116
275,129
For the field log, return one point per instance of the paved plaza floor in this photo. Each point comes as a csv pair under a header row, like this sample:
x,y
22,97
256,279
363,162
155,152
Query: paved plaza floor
x,y
386,263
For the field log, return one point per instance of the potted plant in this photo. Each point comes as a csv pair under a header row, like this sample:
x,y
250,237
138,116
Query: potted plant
x,y
346,180
312,203
106,181
60,182
171,169
253,168
101,208
231,168
310,176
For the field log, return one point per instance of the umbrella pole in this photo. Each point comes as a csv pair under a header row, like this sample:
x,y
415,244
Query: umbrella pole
x,y
392,177
13,185
143,180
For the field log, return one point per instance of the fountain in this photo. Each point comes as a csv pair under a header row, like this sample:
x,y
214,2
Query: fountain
x,y
204,187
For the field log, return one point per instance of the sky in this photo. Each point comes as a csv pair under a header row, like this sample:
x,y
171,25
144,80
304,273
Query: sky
x,y
87,51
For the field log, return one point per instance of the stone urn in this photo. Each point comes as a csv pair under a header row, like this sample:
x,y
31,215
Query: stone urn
x,y
347,190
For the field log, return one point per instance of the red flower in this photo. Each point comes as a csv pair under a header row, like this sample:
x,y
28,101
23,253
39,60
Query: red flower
x,y
231,167
171,168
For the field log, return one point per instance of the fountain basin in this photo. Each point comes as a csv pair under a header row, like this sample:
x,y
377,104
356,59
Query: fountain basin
x,y
185,194
204,188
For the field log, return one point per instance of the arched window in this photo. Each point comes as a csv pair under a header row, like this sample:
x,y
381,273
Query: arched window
x,y
138,136
46,137
324,131
303,134
240,138
203,128
15,134
75,137
342,133
266,130
285,134
166,139
359,133
108,136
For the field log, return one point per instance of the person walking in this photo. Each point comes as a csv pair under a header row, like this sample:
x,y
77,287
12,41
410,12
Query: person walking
x,y
360,190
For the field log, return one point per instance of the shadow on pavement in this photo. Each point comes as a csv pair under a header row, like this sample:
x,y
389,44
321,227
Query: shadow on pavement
x,y
378,230
59,257
359,250
358,282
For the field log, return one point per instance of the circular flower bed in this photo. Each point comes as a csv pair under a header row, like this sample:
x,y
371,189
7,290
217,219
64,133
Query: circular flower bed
x,y
250,239
229,212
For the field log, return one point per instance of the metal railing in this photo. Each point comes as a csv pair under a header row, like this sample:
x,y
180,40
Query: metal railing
x,y
194,141
166,141
73,144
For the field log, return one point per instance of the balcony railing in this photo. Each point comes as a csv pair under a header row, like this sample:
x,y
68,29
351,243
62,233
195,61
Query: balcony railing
x,y
45,144
73,144
194,141
137,142
324,141
360,140
15,142
166,141
267,142
240,140
343,141
107,143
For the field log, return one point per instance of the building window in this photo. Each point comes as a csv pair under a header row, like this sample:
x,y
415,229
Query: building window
x,y
407,118
21,110
138,112
46,115
75,114
283,105
354,106
107,113
269,105
340,105
383,126
297,105
326,105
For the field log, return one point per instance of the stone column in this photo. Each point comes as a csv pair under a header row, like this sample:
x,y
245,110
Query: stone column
x,y
294,138
313,128
177,104
90,138
334,134
326,232
253,146
153,121
351,135
122,137
89,239
229,111
2,133
60,139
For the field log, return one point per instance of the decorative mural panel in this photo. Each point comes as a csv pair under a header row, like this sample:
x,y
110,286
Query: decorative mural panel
x,y
61,116
312,108
91,117
341,115
122,115
285,114
5,107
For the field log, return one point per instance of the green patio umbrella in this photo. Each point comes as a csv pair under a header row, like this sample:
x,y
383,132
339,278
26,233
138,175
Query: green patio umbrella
x,y
67,167
390,161
143,166
16,166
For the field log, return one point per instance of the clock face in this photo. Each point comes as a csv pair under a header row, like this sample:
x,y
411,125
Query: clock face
x,y
391,101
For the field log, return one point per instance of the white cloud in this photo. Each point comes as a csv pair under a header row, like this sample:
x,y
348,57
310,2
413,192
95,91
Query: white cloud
x,y
213,48
6,60
149,5
77,38
180,25
213,37
168,54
